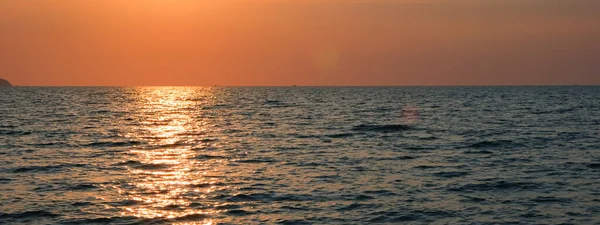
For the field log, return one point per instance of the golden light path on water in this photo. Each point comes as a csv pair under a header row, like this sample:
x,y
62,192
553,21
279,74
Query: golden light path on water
x,y
166,180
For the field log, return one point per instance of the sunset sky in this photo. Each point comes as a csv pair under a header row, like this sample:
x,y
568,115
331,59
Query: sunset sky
x,y
301,42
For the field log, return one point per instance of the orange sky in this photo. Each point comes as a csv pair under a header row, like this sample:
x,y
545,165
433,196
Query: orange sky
x,y
302,42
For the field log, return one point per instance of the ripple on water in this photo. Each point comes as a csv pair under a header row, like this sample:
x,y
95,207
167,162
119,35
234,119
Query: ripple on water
x,y
5,180
551,199
496,186
209,157
46,169
28,214
83,187
294,222
494,144
356,206
14,133
143,166
114,144
102,220
253,161
381,128
594,165
451,174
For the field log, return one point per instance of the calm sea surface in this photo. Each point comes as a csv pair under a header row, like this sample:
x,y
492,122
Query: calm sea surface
x,y
300,155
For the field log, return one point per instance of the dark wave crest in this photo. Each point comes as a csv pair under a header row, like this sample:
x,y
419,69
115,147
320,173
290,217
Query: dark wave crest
x,y
143,166
28,214
494,144
496,186
50,168
113,144
381,128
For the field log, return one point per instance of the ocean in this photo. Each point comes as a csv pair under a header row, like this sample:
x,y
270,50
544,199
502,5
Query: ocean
x,y
300,155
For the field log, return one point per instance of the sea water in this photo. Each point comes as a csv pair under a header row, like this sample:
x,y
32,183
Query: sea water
x,y
300,155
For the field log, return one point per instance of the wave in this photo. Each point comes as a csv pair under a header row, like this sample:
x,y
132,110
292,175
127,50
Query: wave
x,y
186,218
206,185
166,146
143,166
558,111
473,199
496,186
48,144
192,133
451,174
340,135
404,157
82,204
193,144
14,133
419,148
425,167
359,197
273,102
27,214
293,198
256,161
394,219
479,152
113,144
409,215
382,128
493,144
293,222
83,187
380,192
265,197
276,103
541,199
205,156
247,198
294,208
103,220
50,168
594,165
238,212
128,202
355,206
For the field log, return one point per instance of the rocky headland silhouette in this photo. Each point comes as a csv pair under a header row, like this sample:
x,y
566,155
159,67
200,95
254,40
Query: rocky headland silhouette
x,y
4,83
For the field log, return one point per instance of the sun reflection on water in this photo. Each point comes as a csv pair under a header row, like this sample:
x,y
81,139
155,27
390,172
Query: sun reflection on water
x,y
165,180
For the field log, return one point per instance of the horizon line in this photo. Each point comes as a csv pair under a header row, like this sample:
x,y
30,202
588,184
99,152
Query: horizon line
x,y
232,86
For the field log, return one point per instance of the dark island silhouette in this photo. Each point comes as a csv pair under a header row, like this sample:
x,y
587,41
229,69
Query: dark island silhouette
x,y
4,83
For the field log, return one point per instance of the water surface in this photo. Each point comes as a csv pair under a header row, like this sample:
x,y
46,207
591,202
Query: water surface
x,y
300,155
